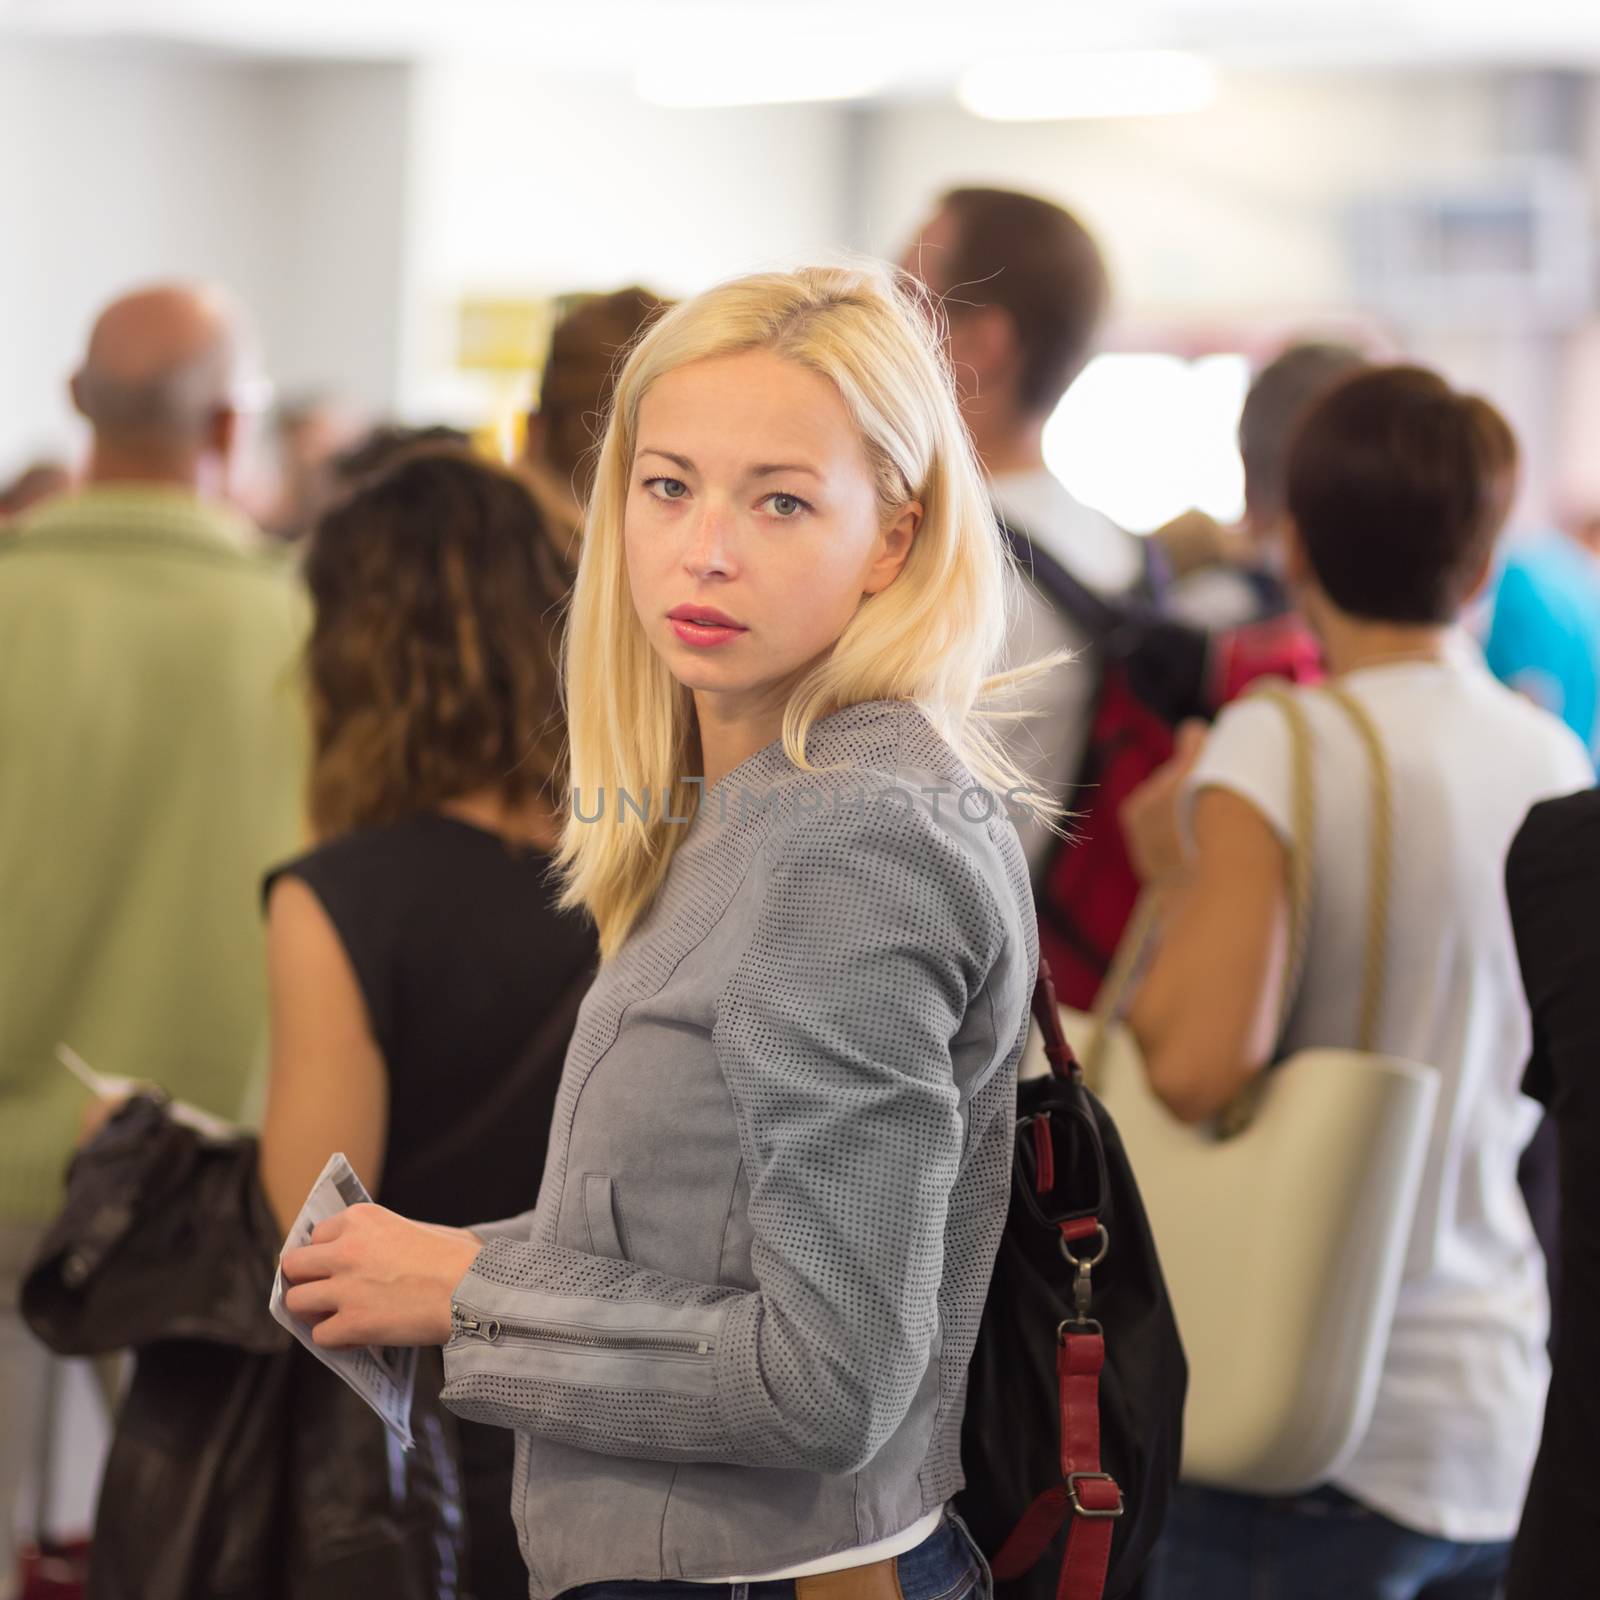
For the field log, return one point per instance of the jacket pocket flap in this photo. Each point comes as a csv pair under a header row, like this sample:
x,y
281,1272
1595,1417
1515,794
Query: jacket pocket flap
x,y
602,1217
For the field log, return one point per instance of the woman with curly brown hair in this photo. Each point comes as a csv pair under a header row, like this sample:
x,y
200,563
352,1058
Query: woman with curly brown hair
x,y
423,983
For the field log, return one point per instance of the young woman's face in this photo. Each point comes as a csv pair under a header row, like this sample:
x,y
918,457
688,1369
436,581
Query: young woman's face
x,y
753,527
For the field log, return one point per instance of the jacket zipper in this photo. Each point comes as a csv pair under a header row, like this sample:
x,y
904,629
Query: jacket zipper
x,y
492,1330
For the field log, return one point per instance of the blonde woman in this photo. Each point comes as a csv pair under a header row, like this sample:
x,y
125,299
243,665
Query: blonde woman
x,y
732,1337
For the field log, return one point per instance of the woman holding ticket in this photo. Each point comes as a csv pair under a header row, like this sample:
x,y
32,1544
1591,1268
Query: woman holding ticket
x,y
732,1337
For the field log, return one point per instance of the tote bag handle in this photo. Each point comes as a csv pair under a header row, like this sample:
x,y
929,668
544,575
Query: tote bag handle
x,y
1118,987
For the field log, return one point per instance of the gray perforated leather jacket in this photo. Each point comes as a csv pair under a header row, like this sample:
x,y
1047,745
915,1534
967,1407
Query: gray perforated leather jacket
x,y
734,1333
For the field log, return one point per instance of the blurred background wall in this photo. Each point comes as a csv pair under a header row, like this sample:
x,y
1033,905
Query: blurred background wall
x,y
364,176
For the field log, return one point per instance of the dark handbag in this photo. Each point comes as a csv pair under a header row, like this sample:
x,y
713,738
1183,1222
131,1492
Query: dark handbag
x,y
164,1235
240,1467
1074,1419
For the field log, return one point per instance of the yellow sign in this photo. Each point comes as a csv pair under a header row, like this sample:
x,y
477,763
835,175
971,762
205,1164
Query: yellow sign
x,y
504,335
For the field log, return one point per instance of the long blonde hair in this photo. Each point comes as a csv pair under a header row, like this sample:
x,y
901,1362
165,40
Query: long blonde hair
x,y
933,636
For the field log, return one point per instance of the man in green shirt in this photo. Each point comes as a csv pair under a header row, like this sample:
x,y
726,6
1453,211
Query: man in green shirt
x,y
151,763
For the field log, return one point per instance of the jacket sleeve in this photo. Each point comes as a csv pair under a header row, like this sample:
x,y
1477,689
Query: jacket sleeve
x,y
875,934
1552,878
517,1227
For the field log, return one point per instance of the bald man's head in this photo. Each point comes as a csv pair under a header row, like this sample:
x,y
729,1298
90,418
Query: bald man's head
x,y
162,372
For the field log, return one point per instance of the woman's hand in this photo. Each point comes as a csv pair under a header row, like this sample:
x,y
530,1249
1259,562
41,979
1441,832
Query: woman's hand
x,y
1149,815
372,1277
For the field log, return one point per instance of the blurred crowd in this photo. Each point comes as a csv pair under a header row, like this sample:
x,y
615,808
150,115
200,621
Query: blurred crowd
x,y
286,776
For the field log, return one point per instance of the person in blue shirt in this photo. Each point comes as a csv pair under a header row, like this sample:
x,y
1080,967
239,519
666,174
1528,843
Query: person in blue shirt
x,y
1544,633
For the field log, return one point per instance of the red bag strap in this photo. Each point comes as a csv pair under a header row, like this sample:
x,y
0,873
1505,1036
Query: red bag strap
x,y
1086,1493
1063,1063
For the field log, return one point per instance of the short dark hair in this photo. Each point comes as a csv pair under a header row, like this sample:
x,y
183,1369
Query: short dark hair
x,y
1034,260
1398,486
1279,398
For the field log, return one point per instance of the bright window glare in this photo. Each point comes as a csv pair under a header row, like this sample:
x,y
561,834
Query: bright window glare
x,y
1146,437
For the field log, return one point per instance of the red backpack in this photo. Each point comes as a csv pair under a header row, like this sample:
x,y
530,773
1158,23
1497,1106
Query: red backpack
x,y
1154,673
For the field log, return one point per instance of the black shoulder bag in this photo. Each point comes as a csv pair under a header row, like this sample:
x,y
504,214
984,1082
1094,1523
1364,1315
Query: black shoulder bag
x,y
1074,1417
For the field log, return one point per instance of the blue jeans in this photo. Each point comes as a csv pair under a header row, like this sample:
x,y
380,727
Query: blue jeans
x,y
1317,1546
945,1566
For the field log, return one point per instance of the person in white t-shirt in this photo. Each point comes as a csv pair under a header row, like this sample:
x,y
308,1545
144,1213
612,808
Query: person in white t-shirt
x,y
1024,291
1397,489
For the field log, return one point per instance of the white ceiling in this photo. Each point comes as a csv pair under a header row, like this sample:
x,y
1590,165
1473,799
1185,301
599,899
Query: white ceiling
x,y
918,43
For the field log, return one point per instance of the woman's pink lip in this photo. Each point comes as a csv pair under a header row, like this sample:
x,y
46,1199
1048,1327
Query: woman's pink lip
x,y
703,635
691,613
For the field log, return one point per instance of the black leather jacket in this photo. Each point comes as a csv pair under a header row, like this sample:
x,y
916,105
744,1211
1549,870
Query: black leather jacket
x,y
240,1467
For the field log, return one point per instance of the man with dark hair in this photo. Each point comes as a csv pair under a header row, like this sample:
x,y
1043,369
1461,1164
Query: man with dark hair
x,y
1024,290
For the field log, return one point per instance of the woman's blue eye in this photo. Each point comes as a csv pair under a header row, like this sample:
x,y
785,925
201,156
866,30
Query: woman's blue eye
x,y
670,488
787,505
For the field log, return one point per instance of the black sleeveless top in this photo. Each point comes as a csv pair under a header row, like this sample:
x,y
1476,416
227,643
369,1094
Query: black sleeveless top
x,y
472,981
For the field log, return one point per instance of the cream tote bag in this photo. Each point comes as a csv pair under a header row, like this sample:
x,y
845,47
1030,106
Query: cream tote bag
x,y
1282,1239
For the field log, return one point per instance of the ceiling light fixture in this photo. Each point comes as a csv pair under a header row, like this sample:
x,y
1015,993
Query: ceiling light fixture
x,y
1109,83
758,77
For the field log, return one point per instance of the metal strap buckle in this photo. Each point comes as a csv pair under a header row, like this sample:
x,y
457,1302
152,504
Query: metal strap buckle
x,y
1102,1248
1079,1508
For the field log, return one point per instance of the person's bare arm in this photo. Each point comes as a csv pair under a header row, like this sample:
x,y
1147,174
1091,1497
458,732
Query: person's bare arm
x,y
1206,1014
328,1089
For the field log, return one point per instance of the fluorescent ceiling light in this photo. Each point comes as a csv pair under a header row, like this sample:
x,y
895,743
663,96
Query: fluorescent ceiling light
x,y
756,76
1109,83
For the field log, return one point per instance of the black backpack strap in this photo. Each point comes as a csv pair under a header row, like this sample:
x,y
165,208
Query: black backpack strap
x,y
1166,660
1158,577
1098,617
